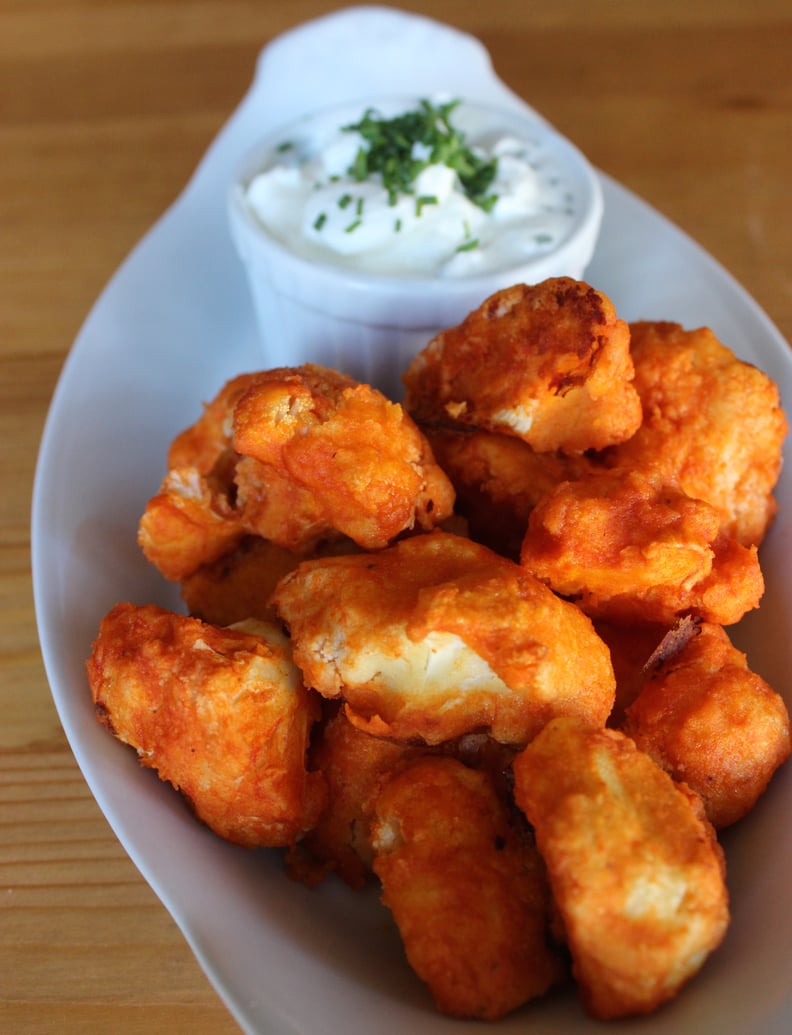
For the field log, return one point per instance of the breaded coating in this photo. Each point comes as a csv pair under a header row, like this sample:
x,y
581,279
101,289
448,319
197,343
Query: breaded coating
x,y
357,457
707,719
211,436
437,637
222,714
353,764
187,524
633,863
239,584
711,422
498,480
298,456
627,547
467,891
549,363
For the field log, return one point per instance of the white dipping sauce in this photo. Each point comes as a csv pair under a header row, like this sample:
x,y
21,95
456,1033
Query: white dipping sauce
x,y
307,196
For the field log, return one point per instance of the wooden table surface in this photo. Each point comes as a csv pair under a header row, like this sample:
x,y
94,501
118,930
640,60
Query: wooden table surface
x,y
105,108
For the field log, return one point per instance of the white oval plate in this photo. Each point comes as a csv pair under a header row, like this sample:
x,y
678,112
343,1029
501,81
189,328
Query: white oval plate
x,y
170,327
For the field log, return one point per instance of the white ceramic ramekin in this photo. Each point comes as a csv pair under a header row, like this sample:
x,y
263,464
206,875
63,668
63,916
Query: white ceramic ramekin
x,y
370,325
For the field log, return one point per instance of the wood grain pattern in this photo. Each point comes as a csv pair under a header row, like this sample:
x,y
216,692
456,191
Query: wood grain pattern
x,y
105,108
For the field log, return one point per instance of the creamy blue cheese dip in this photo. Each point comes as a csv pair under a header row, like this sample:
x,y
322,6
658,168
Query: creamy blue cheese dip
x,y
441,190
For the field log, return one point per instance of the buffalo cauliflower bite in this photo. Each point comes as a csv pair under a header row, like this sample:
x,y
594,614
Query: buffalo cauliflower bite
x,y
707,719
238,585
634,866
498,480
358,457
353,764
222,714
466,888
210,437
549,363
187,524
629,548
712,423
298,456
438,636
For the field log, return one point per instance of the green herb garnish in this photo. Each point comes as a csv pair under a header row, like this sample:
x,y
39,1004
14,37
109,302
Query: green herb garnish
x,y
424,199
320,221
400,148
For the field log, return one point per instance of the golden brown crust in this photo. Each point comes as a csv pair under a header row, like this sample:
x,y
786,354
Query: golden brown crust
x,y
353,764
298,456
635,869
712,423
187,524
707,719
631,548
222,714
357,455
498,480
467,892
439,636
549,363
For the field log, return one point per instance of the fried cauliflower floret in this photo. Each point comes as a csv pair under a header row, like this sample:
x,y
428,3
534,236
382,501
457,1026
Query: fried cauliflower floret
x,y
711,422
707,719
187,524
634,866
353,764
498,480
239,584
467,892
438,636
299,456
357,457
204,442
222,714
630,548
549,363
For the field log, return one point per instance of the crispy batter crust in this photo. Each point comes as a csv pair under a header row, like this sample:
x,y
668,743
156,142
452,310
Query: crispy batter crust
x,y
711,422
298,456
467,892
498,480
439,636
221,714
629,547
635,869
549,363
707,719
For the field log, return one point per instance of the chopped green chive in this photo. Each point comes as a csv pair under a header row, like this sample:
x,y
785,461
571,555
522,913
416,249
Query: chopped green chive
x,y
352,226
320,221
425,199
285,145
469,245
393,147
344,200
